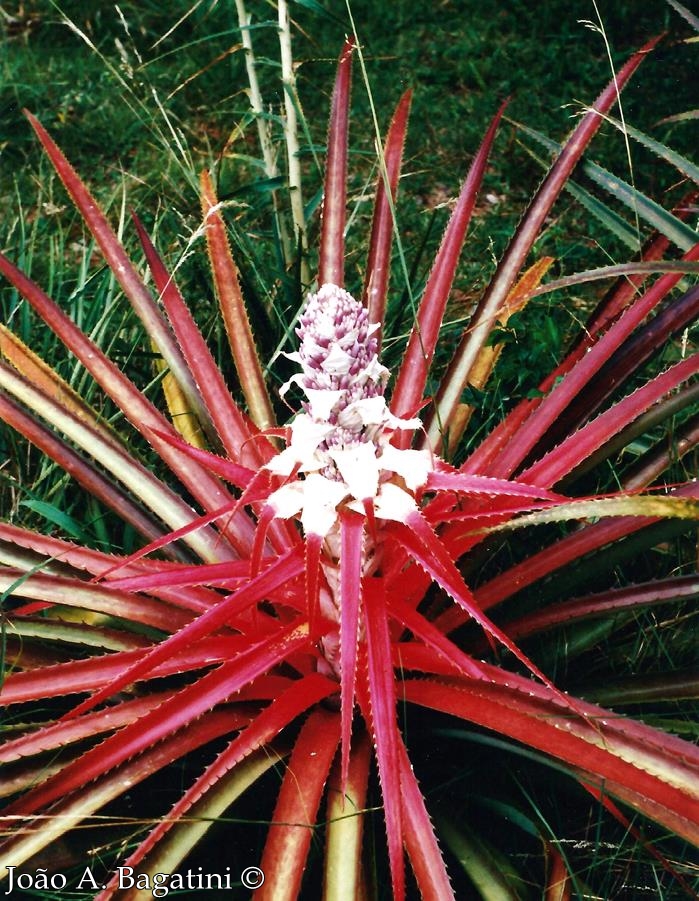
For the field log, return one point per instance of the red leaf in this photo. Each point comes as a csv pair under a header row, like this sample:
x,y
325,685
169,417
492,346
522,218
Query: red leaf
x,y
289,837
420,840
351,531
427,632
412,375
609,309
314,544
173,714
660,591
647,341
417,537
235,315
474,484
409,655
331,261
572,547
253,591
562,395
183,575
138,410
225,414
378,268
57,735
69,812
237,475
626,290
300,696
382,700
97,563
77,676
581,444
123,270
515,255
656,773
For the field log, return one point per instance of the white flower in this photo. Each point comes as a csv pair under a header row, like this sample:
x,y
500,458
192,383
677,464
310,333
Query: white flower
x,y
315,498
393,503
359,468
412,465
340,447
306,436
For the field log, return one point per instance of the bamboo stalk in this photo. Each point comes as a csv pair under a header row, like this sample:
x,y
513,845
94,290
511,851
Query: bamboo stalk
x,y
264,128
291,134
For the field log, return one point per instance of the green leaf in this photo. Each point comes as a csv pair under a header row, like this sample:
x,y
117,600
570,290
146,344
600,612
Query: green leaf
x,y
681,163
320,10
647,505
654,214
608,217
75,633
650,211
490,871
685,13
59,518
648,689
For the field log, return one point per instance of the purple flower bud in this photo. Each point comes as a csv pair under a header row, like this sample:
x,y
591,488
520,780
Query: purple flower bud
x,y
338,351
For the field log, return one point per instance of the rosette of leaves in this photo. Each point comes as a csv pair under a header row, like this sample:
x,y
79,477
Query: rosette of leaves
x,y
301,593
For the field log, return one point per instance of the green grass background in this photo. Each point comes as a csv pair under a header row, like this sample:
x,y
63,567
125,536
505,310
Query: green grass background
x,y
142,96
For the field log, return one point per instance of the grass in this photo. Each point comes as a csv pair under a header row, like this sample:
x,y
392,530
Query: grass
x,y
141,101
104,99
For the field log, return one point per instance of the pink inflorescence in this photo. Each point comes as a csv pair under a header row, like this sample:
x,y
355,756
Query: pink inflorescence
x,y
338,353
339,451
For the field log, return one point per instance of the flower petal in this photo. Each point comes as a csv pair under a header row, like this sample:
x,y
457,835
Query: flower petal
x,y
287,501
414,466
359,468
320,498
306,435
394,503
322,401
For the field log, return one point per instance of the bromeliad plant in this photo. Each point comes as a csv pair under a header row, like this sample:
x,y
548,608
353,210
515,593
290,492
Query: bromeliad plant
x,y
299,587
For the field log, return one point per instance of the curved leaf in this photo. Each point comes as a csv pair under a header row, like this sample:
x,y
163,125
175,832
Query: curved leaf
x,y
654,772
232,305
513,260
123,270
331,259
378,267
412,375
289,837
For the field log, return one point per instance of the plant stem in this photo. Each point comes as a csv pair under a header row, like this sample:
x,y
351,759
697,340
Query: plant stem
x,y
264,129
291,134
